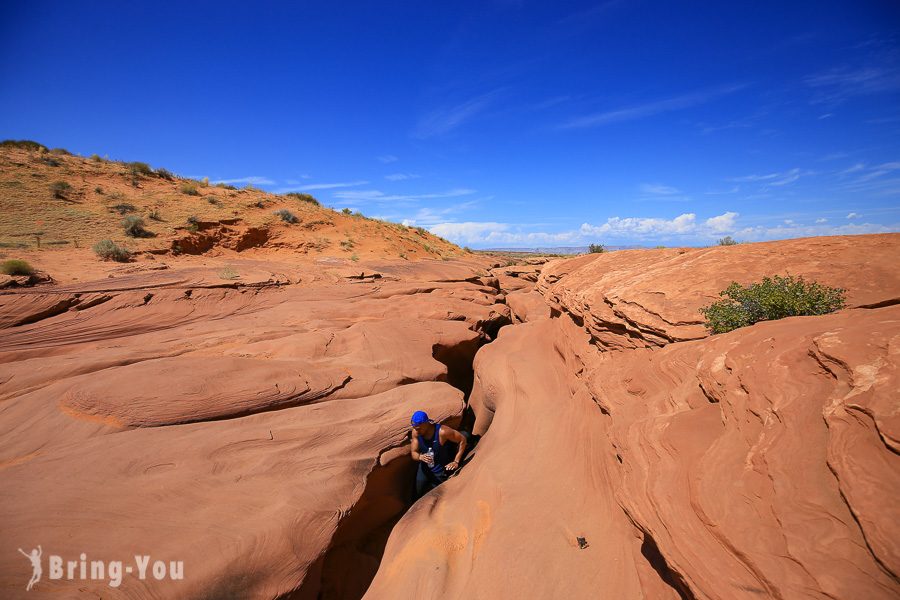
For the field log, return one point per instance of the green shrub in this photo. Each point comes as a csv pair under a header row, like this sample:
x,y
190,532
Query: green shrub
x,y
189,188
60,151
287,216
303,197
134,227
96,158
23,145
123,208
728,241
109,250
139,168
347,211
213,200
60,189
225,186
771,299
16,267
164,174
154,214
596,249
98,189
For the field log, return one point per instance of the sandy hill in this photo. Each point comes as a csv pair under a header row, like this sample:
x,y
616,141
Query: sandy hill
x,y
51,199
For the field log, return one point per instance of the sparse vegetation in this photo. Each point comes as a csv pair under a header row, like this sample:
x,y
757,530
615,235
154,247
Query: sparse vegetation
x,y
287,216
60,189
24,145
98,190
303,197
188,189
96,158
109,250
354,258
347,244
164,174
139,168
225,186
123,208
60,151
213,200
16,267
347,211
135,227
727,241
50,162
596,249
193,223
769,300
154,214
467,249
228,273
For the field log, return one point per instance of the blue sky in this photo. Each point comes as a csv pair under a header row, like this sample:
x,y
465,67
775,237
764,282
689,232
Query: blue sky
x,y
493,124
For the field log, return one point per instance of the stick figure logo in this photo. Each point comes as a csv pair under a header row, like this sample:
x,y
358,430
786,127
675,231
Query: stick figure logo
x,y
35,558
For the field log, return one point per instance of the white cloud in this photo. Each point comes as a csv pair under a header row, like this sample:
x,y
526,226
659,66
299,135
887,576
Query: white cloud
x,y
378,196
658,189
853,215
652,108
253,180
387,158
443,120
470,232
401,176
821,220
793,231
329,186
773,179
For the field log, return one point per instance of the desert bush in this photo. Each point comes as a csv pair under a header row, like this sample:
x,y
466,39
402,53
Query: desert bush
x,y
728,241
205,182
467,249
134,226
303,197
96,158
154,214
347,211
50,162
16,267
60,151
123,208
228,273
139,168
225,186
771,299
98,190
164,174
287,216
109,250
60,189
189,189
347,244
23,145
596,249
213,200
193,223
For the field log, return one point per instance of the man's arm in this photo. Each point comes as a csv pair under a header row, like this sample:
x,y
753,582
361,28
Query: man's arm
x,y
451,435
414,448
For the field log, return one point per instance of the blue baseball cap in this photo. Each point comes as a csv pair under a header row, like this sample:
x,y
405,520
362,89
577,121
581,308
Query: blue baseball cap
x,y
419,417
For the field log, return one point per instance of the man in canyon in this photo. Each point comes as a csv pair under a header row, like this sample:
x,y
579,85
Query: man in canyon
x,y
431,448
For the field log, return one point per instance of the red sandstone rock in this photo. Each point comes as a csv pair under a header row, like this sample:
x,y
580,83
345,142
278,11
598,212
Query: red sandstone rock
x,y
759,463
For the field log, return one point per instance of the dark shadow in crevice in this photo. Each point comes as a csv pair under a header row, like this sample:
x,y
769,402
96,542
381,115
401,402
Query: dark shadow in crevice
x,y
651,552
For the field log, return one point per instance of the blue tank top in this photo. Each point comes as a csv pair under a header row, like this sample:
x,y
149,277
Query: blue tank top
x,y
441,451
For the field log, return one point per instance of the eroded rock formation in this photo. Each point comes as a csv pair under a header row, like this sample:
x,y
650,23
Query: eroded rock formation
x,y
759,463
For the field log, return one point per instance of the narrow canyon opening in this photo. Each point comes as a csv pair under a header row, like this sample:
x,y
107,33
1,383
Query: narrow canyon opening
x,y
347,568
